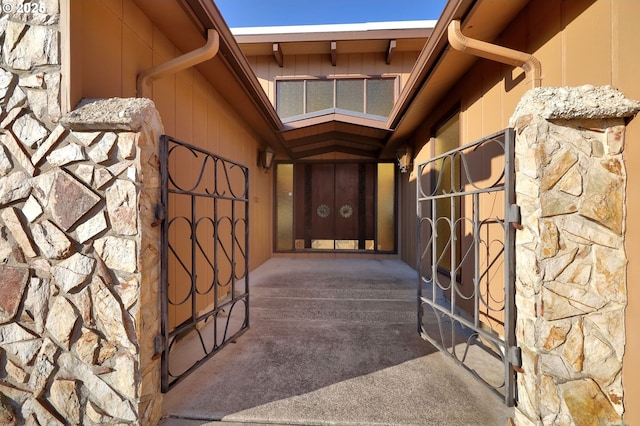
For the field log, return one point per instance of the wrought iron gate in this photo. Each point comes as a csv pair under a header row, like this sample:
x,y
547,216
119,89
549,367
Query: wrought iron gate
x,y
204,259
466,238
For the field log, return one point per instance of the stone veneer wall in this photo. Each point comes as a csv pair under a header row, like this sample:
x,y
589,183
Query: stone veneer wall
x,y
571,262
79,261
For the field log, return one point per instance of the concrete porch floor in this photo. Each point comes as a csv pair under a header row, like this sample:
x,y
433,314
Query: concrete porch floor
x,y
332,342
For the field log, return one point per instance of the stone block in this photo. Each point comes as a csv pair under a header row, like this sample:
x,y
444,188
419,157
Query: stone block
x,y
615,139
557,203
558,167
101,394
5,163
127,144
17,151
565,301
122,206
87,346
12,219
101,151
26,47
109,316
71,153
52,140
111,114
118,253
603,198
12,287
69,200
32,209
52,242
609,274
37,302
61,321
72,273
14,187
29,131
91,227
573,349
587,404
584,231
63,395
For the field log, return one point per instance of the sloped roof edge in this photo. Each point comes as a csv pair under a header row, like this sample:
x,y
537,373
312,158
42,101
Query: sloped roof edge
x,y
328,28
209,16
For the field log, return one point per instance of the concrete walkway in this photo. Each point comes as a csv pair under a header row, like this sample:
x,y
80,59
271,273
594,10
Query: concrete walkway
x,y
332,342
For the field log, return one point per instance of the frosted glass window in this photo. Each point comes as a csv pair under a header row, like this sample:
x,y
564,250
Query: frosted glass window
x,y
284,203
380,95
386,218
350,95
319,95
290,98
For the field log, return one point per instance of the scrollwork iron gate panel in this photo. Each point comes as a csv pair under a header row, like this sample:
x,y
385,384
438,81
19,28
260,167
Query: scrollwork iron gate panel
x,y
466,238
204,258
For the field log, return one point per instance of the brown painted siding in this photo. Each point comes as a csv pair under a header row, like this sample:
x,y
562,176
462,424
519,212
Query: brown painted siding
x,y
351,64
578,42
108,62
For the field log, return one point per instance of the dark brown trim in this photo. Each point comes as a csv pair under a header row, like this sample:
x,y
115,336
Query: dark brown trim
x,y
277,54
390,50
335,35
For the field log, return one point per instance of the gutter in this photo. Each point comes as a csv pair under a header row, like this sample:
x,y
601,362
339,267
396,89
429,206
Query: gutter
x,y
188,60
429,56
526,61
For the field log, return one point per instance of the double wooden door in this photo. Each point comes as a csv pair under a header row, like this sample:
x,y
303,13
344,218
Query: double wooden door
x,y
335,202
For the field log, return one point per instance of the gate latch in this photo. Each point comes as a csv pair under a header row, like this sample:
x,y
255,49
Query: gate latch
x,y
513,216
160,214
515,358
158,346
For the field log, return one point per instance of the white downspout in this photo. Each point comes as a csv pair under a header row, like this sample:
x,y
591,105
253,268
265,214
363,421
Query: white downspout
x,y
526,61
206,52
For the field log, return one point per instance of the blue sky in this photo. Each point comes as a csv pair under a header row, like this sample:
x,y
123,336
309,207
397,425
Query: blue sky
x,y
259,13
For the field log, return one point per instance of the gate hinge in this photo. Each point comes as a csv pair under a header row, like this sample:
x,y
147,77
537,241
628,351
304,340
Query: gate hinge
x,y
513,216
515,358
160,213
158,346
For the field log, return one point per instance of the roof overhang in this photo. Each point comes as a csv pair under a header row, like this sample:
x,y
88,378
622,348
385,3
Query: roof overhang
x,y
335,131
439,66
185,23
437,69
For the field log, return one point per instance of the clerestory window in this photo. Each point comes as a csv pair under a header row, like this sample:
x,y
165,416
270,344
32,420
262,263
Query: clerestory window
x,y
373,96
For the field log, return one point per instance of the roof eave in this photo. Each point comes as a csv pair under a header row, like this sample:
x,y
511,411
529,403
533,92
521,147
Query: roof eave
x,y
439,67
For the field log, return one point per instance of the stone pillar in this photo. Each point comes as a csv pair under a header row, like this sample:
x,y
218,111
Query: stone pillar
x,y
570,257
79,305
79,260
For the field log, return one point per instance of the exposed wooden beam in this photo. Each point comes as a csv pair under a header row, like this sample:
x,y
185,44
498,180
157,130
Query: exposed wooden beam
x,y
390,50
277,54
334,53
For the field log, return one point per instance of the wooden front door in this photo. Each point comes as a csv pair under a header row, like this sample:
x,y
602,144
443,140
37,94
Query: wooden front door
x,y
335,202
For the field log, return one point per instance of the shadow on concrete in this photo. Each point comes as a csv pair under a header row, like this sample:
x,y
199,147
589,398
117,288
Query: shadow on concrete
x,y
332,342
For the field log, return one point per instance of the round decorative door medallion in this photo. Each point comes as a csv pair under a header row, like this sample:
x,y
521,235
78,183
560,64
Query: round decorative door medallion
x,y
346,211
323,210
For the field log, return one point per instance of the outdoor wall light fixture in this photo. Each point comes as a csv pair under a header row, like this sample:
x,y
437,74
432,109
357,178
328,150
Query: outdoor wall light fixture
x,y
265,158
403,154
